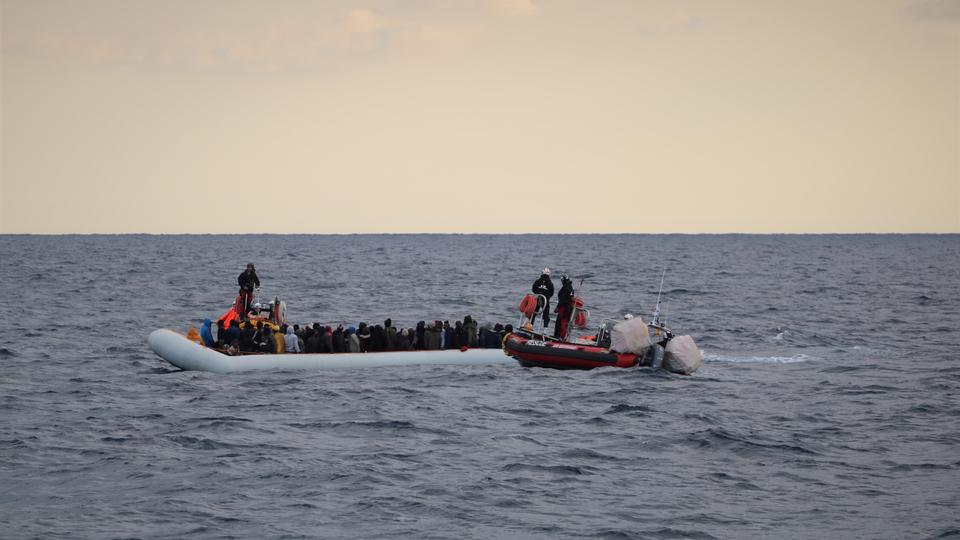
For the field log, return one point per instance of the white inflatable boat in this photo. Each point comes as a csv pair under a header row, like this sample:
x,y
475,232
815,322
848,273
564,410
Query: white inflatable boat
x,y
185,354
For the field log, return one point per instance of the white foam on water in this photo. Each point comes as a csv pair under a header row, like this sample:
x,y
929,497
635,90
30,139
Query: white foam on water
x,y
758,359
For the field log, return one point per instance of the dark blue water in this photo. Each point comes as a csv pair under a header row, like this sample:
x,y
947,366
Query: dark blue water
x,y
828,405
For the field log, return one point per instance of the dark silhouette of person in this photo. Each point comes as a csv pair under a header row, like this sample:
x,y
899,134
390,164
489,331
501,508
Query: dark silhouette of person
x,y
543,286
247,280
564,308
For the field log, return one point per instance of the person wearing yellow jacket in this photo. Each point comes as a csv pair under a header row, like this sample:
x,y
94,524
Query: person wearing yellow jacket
x,y
278,347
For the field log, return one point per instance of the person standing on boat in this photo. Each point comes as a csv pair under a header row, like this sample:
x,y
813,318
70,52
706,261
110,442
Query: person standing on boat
x,y
544,287
564,308
247,280
291,342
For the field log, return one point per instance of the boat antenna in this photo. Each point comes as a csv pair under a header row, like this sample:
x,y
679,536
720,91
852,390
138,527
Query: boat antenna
x,y
656,311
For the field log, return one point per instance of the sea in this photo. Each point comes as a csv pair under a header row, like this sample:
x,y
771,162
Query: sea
x,y
828,404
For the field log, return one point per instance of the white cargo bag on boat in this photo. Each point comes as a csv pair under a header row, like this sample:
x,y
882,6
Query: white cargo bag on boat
x,y
630,336
682,355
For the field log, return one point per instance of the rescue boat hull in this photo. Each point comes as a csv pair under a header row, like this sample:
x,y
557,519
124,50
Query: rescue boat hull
x,y
560,355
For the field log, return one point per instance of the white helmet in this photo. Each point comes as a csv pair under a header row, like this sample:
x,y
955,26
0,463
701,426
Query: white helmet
x,y
627,317
546,271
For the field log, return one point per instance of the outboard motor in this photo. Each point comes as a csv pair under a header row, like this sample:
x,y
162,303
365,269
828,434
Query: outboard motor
x,y
682,355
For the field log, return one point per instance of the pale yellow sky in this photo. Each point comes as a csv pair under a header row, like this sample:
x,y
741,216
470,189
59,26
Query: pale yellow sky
x,y
480,116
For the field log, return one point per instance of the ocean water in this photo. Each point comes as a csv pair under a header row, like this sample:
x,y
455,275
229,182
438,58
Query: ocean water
x,y
828,405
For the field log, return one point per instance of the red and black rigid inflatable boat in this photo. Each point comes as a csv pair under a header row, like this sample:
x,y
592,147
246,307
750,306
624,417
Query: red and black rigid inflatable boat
x,y
531,351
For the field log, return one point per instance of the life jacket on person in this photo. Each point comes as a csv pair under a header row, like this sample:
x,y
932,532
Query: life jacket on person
x,y
228,318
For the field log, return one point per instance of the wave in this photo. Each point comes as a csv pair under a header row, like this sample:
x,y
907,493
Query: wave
x,y
551,469
709,357
625,408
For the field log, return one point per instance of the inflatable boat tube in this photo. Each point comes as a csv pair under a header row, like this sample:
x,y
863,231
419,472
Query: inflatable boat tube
x,y
185,354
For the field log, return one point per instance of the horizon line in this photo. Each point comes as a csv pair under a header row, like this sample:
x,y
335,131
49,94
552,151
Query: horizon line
x,y
891,233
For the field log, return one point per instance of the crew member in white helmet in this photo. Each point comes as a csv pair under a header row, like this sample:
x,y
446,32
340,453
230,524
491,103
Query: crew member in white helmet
x,y
543,286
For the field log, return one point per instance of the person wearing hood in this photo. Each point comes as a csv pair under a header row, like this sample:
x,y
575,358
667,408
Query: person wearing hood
x,y
544,287
432,336
470,332
363,335
247,337
483,335
206,334
459,336
278,344
496,337
564,308
446,337
353,342
312,343
420,336
328,339
403,340
232,337
338,339
265,342
221,340
391,334
378,339
291,342
299,333
259,330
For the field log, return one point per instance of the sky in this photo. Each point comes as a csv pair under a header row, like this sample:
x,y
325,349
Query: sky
x,y
480,116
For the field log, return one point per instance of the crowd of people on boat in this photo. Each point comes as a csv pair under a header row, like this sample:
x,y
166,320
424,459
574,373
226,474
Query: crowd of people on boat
x,y
246,335
264,336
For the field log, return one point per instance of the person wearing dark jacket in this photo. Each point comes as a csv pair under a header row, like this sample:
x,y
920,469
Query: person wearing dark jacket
x,y
247,280
267,342
378,340
433,336
459,336
338,339
232,337
257,335
470,332
328,339
543,286
363,335
564,308
221,341
312,343
496,337
403,340
247,338
420,336
391,335
447,337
